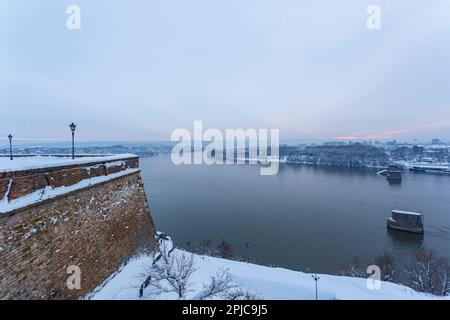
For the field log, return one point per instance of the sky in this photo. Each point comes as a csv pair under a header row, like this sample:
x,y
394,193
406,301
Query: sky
x,y
137,70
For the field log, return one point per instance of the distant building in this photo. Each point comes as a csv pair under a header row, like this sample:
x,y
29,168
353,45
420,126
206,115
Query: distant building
x,y
392,142
334,143
417,150
435,141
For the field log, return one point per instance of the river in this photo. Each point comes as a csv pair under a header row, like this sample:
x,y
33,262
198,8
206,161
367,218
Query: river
x,y
305,218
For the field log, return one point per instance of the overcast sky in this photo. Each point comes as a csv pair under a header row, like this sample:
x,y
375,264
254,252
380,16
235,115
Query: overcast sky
x,y
139,69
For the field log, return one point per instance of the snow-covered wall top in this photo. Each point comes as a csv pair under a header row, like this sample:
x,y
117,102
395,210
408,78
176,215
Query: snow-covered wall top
x,y
38,162
39,177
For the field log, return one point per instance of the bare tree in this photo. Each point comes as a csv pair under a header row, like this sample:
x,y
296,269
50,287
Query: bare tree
x,y
225,249
155,284
206,248
240,294
421,273
443,277
386,264
430,273
172,272
355,269
218,285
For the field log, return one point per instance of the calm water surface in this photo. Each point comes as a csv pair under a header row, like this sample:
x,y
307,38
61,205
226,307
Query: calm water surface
x,y
305,218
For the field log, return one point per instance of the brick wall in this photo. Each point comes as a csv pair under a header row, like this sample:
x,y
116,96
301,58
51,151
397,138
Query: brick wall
x,y
27,181
97,228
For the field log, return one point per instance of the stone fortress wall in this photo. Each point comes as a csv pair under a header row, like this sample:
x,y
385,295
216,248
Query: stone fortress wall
x,y
101,222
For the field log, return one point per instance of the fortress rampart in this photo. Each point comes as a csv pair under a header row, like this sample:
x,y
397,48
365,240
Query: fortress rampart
x,y
92,214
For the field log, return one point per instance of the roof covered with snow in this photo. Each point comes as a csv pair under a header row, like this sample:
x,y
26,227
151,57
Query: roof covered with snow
x,y
407,212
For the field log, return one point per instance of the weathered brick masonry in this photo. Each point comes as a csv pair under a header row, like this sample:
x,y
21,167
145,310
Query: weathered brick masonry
x,y
26,181
97,228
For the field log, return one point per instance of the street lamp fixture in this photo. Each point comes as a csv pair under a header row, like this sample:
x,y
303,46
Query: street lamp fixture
x,y
316,278
72,127
10,146
247,248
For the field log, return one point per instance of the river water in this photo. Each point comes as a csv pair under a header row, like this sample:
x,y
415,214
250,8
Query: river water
x,y
305,218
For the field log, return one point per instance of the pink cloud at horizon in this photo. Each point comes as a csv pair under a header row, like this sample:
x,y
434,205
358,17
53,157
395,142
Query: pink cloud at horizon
x,y
391,134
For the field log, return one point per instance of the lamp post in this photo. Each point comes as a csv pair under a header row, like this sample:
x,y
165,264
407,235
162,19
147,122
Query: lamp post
x,y
247,247
10,146
72,127
316,278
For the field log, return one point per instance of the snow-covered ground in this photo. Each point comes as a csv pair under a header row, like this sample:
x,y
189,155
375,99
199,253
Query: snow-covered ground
x,y
36,162
406,164
269,283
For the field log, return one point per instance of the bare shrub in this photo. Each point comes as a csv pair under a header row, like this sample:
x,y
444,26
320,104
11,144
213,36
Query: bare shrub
x,y
218,285
206,248
386,263
241,294
430,273
355,269
444,277
172,272
225,250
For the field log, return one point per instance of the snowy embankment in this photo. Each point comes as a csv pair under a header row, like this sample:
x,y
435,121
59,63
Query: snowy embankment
x,y
268,283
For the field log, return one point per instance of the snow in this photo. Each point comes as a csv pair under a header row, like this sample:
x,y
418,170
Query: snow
x,y
424,165
49,192
270,283
37,162
407,212
107,165
115,164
